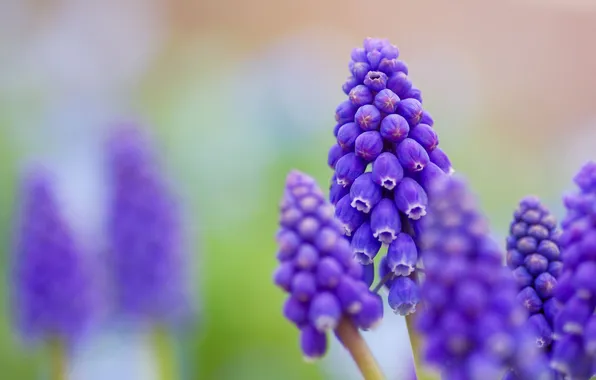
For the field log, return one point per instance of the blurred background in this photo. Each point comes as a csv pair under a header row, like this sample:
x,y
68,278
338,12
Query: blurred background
x,y
236,93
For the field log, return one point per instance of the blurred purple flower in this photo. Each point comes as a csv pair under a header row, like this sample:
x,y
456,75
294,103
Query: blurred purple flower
x,y
146,256
53,291
316,268
471,322
383,125
574,350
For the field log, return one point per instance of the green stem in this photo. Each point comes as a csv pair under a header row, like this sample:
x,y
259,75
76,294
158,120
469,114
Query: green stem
x,y
164,354
57,358
351,339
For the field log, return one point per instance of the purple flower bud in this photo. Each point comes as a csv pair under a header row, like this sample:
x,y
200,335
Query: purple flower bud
x,y
541,329
530,300
411,110
527,245
400,84
389,51
375,80
555,268
386,101
425,136
549,249
307,257
349,295
385,222
551,309
308,228
364,245
324,312
345,112
586,178
368,117
536,264
304,286
545,284
349,217
394,128
348,168
412,155
371,312
368,274
440,158
515,258
402,255
284,275
335,153
313,343
404,295
360,95
358,55
429,175
387,171
328,273
337,191
365,194
349,84
411,199
288,243
427,119
393,65
359,70
414,94
346,136
374,57
369,145
296,311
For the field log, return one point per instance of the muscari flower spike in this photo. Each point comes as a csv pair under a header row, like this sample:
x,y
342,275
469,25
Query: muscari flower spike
x,y
147,259
53,291
472,322
383,127
574,351
317,270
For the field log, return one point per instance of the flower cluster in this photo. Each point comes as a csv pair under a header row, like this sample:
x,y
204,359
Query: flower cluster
x,y
471,320
317,269
53,293
383,125
574,352
147,261
533,256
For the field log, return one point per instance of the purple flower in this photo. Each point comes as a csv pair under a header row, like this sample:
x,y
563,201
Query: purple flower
x,y
53,290
146,255
316,265
389,158
471,315
533,225
573,352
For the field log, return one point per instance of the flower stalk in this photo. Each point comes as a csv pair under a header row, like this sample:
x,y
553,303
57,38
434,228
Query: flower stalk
x,y
57,359
165,354
350,338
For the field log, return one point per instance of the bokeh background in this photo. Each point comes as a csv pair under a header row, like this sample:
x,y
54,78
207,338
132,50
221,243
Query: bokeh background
x,y
236,93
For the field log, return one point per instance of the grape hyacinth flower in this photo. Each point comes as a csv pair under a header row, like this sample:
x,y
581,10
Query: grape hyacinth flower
x,y
472,322
384,161
325,285
53,292
147,261
534,257
574,352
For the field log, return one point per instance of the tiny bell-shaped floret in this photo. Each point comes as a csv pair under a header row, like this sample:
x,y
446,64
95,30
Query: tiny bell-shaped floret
x,y
410,109
349,217
440,158
369,145
365,193
296,311
387,171
411,199
364,245
347,135
368,117
375,80
412,155
329,272
426,136
335,153
348,168
404,295
313,343
394,128
324,312
402,255
400,84
385,222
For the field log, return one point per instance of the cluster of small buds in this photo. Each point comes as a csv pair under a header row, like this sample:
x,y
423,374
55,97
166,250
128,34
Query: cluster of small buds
x,y
471,320
383,125
574,352
317,269
53,292
534,257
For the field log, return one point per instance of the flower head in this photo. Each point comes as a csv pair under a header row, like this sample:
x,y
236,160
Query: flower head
x,y
574,351
385,128
471,319
146,255
316,268
53,290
